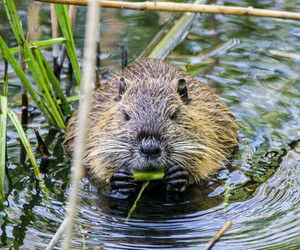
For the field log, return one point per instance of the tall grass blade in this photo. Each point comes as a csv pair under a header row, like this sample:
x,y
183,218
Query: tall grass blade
x,y
44,43
46,90
14,21
22,76
54,82
37,71
65,26
3,119
5,85
36,67
41,79
28,149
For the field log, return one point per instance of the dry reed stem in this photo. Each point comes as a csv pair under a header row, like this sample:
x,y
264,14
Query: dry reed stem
x,y
220,233
57,235
92,26
185,7
72,16
54,28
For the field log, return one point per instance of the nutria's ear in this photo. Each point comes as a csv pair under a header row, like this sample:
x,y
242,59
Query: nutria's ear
x,y
182,90
122,88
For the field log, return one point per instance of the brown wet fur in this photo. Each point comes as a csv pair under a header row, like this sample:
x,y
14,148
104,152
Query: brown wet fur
x,y
201,138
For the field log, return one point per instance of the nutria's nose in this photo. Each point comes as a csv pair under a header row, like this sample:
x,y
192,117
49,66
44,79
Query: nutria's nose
x,y
150,148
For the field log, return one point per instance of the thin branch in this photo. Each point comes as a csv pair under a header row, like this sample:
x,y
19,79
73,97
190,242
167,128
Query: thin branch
x,y
58,234
211,243
185,7
92,26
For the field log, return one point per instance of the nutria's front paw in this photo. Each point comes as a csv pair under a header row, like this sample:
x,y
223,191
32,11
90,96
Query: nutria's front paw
x,y
176,179
122,182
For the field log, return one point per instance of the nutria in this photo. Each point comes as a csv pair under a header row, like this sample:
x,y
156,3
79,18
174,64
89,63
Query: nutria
x,y
155,116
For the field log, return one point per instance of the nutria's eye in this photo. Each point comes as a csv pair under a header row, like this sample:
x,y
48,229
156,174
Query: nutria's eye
x,y
174,115
126,116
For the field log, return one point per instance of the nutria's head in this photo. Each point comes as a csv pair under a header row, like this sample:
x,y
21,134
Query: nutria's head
x,y
153,116
148,128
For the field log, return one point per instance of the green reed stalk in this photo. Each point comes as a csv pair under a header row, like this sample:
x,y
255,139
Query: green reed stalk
x,y
39,74
145,184
65,26
28,149
55,85
46,89
40,77
36,67
73,98
3,119
5,85
14,21
148,176
44,43
69,99
22,76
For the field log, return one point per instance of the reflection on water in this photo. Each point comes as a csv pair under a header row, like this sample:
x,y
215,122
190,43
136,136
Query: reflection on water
x,y
259,193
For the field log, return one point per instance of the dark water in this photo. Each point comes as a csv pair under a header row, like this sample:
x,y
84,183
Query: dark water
x,y
245,59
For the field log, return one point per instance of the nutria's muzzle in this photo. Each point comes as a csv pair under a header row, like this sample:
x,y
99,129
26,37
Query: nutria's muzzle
x,y
150,148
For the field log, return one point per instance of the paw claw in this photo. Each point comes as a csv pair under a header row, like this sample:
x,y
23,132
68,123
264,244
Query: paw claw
x,y
176,179
122,182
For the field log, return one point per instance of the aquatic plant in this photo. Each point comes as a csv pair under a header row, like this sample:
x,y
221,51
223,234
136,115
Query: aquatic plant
x,y
50,95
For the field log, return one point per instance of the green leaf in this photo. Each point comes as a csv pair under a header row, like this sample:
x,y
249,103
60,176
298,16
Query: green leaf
x,y
74,98
28,148
5,85
136,201
37,70
22,76
14,20
40,44
64,23
55,84
46,90
3,119
144,176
